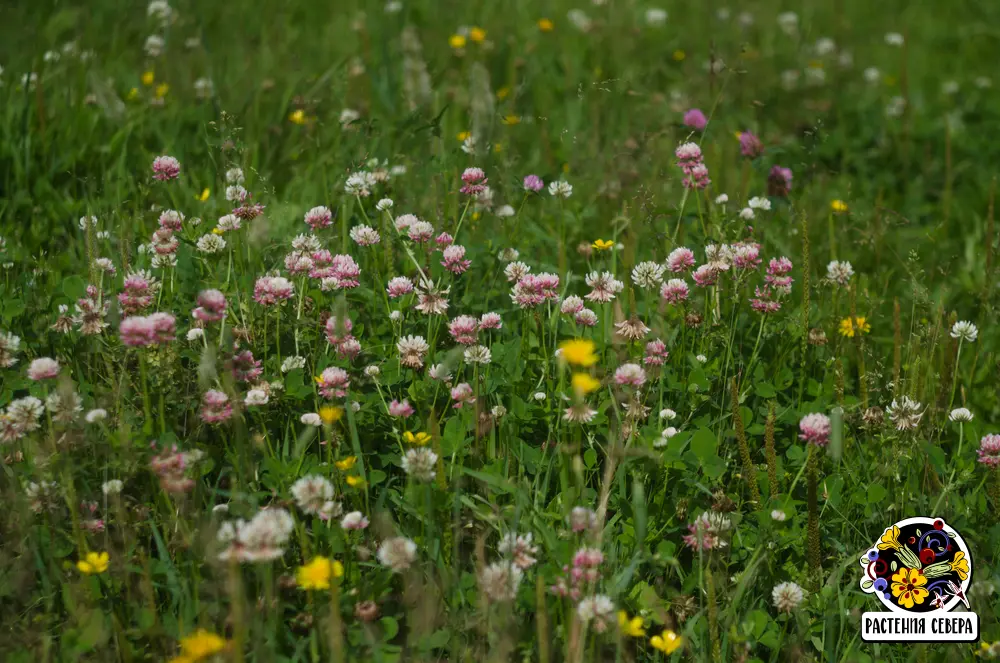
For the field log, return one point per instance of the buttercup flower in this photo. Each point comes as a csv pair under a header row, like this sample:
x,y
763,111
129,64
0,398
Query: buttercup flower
x,y
93,563
318,573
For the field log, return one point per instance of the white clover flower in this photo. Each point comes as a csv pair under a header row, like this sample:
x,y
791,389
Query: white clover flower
x,y
787,596
960,415
894,39
760,202
478,354
292,363
746,214
702,358
210,243
256,397
112,487
561,189
965,331
195,333
384,204
839,272
234,176
396,316
311,419
648,274
373,371
500,581
420,463
95,415
656,16
312,493
505,211
236,192
539,396
872,75
397,553
88,222
778,515
668,414
154,46
721,199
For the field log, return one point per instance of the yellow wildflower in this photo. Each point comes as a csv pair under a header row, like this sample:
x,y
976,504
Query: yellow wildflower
x,y
838,206
198,646
585,384
346,463
849,327
512,119
456,41
331,414
477,34
464,135
93,563
420,439
162,89
631,627
297,116
475,216
204,195
133,94
317,573
503,93
355,482
667,642
147,78
217,231
679,55
602,244
545,25
578,352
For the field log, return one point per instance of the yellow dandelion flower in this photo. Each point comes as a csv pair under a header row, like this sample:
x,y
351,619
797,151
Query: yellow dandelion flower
x,y
546,25
162,89
584,383
204,195
578,352
420,439
317,573
133,94
859,325
297,116
200,645
148,78
838,206
355,482
331,414
512,119
679,55
477,34
464,135
602,244
667,642
346,463
456,41
503,93
631,627
93,563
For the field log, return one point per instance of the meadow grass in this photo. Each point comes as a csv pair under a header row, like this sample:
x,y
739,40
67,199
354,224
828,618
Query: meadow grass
x,y
251,411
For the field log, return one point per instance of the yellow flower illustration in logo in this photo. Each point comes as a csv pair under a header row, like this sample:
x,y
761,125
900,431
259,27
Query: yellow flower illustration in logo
x,y
890,539
960,565
908,586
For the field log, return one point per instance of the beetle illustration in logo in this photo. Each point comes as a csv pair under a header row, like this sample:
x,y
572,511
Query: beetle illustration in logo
x,y
919,567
